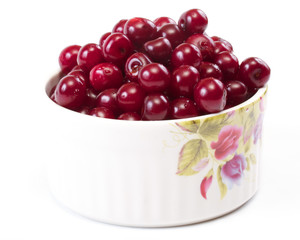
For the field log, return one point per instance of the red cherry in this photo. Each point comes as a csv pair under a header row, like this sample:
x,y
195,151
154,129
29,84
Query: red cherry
x,y
183,108
68,58
193,21
133,65
210,95
183,81
89,56
130,97
90,98
103,37
161,21
186,54
108,99
104,76
159,49
119,27
204,43
228,44
131,116
229,65
117,48
140,30
221,47
70,92
102,112
82,75
156,107
154,77
254,72
208,69
173,33
236,92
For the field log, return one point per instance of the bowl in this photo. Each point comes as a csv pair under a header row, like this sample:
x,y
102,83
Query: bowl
x,y
154,173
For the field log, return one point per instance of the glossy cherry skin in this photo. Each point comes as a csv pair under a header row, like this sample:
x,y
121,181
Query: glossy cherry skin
x,y
140,30
159,49
130,97
102,112
208,69
133,65
104,76
70,92
154,77
117,48
161,21
229,65
108,99
221,47
228,44
236,92
68,58
119,27
184,79
183,108
156,107
82,75
254,72
89,56
186,54
103,37
210,95
173,33
193,21
131,116
204,43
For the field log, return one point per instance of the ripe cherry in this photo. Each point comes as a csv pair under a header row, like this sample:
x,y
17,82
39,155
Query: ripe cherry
x,y
184,79
108,99
228,44
131,116
119,27
82,75
208,69
254,72
89,56
173,33
221,47
130,97
156,107
210,95
159,49
183,108
133,65
68,58
102,112
204,43
229,65
186,54
104,76
161,21
193,21
154,77
236,92
103,37
90,98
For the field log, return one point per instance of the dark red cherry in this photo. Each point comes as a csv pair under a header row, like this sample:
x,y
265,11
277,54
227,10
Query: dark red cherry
x,y
254,72
103,37
156,107
130,97
159,49
183,108
228,44
229,65
104,76
184,79
90,98
68,58
236,92
221,47
133,65
186,54
131,116
102,112
204,43
119,27
161,21
193,21
108,99
210,95
82,75
140,30
70,92
117,48
89,56
173,33
208,69
154,77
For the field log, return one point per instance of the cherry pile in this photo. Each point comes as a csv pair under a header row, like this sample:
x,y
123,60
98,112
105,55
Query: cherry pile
x,y
156,70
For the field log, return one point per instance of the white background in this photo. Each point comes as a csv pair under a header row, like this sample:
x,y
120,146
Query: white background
x,y
32,35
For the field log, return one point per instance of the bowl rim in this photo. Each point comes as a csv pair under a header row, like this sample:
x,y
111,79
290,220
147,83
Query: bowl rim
x,y
261,92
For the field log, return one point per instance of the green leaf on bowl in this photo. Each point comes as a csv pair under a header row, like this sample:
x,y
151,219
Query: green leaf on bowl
x,y
189,126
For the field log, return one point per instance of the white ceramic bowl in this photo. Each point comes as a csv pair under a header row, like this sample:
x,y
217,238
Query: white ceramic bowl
x,y
154,173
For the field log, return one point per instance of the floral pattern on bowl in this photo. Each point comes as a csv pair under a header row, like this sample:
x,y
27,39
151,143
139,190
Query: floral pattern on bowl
x,y
222,146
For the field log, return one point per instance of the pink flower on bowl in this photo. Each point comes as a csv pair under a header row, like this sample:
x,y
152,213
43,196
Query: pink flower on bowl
x,y
232,171
228,141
